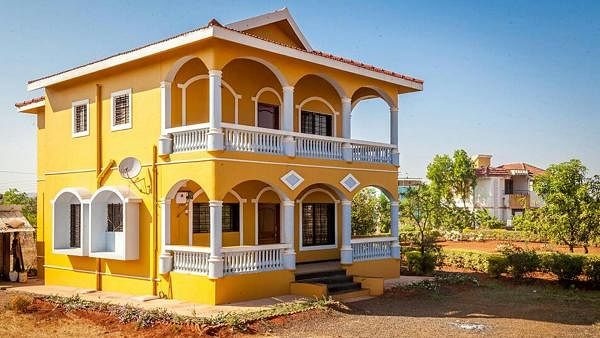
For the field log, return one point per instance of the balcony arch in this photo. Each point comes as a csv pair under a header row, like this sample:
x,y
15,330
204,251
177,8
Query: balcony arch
x,y
70,222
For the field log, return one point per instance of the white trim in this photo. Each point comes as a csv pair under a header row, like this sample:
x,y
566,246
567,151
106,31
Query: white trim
x,y
83,197
343,182
256,201
191,216
333,112
112,110
301,247
256,98
290,173
362,98
268,18
75,104
225,34
34,105
183,87
241,202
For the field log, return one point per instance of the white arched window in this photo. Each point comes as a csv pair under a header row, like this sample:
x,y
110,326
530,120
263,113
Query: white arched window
x,y
114,224
70,210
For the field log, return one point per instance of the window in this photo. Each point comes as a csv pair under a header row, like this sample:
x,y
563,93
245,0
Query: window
x,y
267,116
318,226
75,228
230,217
80,118
508,186
316,123
121,110
114,217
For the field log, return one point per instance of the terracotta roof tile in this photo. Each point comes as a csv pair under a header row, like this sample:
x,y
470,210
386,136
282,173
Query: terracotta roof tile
x,y
523,166
34,100
214,22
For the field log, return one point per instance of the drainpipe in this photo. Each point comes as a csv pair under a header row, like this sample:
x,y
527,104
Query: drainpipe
x,y
98,168
154,228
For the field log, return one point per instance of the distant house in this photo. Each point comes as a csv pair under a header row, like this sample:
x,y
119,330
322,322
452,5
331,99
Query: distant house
x,y
505,190
405,183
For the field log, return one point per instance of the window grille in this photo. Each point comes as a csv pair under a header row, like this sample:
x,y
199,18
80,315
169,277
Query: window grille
x,y
115,217
75,226
80,119
318,224
230,217
121,109
316,123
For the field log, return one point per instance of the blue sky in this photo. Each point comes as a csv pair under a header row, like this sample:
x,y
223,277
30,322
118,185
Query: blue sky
x,y
516,79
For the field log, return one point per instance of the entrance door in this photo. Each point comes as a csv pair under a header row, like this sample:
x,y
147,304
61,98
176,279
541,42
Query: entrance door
x,y
268,223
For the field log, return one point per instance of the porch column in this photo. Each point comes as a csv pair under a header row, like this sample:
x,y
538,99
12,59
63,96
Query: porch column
x,y
346,117
215,133
165,143
215,261
394,228
289,255
394,135
288,120
346,251
166,258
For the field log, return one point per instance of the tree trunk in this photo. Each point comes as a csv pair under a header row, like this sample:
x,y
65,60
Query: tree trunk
x,y
571,248
585,249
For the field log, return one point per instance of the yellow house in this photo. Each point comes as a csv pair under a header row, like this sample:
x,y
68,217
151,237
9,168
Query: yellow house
x,y
210,166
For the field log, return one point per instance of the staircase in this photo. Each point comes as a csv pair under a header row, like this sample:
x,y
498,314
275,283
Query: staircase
x,y
339,285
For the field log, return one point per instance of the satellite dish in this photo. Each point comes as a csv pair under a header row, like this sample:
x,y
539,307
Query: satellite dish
x,y
130,167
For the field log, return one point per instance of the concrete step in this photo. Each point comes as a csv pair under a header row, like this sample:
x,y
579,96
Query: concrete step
x,y
336,288
300,277
352,296
327,279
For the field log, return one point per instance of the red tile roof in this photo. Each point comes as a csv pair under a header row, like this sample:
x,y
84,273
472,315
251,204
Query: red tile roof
x,y
34,100
214,22
491,171
523,166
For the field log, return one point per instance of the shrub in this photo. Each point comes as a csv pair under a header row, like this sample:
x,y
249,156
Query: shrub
x,y
591,269
421,264
521,262
497,265
500,235
566,267
20,303
480,261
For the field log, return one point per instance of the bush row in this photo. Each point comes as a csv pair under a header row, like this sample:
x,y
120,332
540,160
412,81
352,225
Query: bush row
x,y
478,235
519,263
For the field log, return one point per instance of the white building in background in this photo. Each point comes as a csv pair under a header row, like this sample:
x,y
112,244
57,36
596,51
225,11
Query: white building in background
x,y
506,190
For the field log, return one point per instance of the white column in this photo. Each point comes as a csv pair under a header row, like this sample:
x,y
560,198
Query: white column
x,y
215,134
289,256
166,258
215,261
394,228
165,142
394,134
346,251
346,117
288,120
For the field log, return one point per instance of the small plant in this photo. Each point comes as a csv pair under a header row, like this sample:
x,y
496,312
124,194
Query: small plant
x,y
591,269
521,261
497,265
566,267
422,264
20,303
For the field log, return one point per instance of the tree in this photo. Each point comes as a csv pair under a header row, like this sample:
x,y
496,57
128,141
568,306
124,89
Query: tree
x,y
384,209
29,204
571,203
364,212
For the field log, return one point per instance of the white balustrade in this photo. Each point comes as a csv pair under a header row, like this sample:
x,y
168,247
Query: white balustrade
x,y
190,259
366,249
372,153
189,138
260,258
256,141
318,148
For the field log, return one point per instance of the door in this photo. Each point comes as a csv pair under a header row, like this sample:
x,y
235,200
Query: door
x,y
268,116
268,223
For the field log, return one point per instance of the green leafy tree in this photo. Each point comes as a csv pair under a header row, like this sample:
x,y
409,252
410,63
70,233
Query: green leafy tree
x,y
29,204
571,204
365,216
591,213
385,213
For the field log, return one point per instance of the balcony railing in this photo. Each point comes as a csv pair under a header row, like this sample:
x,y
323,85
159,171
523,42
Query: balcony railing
x,y
246,259
190,258
276,142
371,248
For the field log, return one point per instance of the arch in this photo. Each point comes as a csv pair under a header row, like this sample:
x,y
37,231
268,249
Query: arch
x,y
334,83
183,87
256,98
307,192
278,74
320,99
170,76
62,213
379,93
383,190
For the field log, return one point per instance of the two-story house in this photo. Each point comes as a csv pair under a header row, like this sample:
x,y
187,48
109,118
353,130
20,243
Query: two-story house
x,y
505,190
237,163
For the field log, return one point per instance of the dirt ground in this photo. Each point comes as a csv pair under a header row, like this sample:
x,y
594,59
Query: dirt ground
x,y
496,308
490,246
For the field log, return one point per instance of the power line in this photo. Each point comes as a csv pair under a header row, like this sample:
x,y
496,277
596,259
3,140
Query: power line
x,y
17,172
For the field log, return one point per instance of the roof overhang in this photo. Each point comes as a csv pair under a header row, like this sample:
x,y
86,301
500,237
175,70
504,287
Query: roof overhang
x,y
224,34
32,108
269,18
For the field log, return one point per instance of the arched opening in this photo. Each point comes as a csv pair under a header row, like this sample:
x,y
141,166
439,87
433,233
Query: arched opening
x,y
260,84
370,107
371,212
317,100
70,216
319,221
114,224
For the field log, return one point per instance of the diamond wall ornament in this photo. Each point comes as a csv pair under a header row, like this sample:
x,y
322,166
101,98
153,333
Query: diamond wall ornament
x,y
350,182
292,179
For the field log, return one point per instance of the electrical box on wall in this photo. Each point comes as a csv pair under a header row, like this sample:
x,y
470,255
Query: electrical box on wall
x,y
182,197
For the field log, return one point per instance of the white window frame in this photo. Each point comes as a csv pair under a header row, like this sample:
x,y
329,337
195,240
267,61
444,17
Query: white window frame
x,y
74,104
124,126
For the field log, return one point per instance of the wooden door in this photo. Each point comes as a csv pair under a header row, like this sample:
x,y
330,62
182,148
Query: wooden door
x,y
268,116
268,223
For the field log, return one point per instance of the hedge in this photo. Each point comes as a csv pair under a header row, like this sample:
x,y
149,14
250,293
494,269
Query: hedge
x,y
478,235
519,263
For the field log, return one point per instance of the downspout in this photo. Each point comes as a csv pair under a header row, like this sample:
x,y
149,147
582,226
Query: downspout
x,y
154,228
98,168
